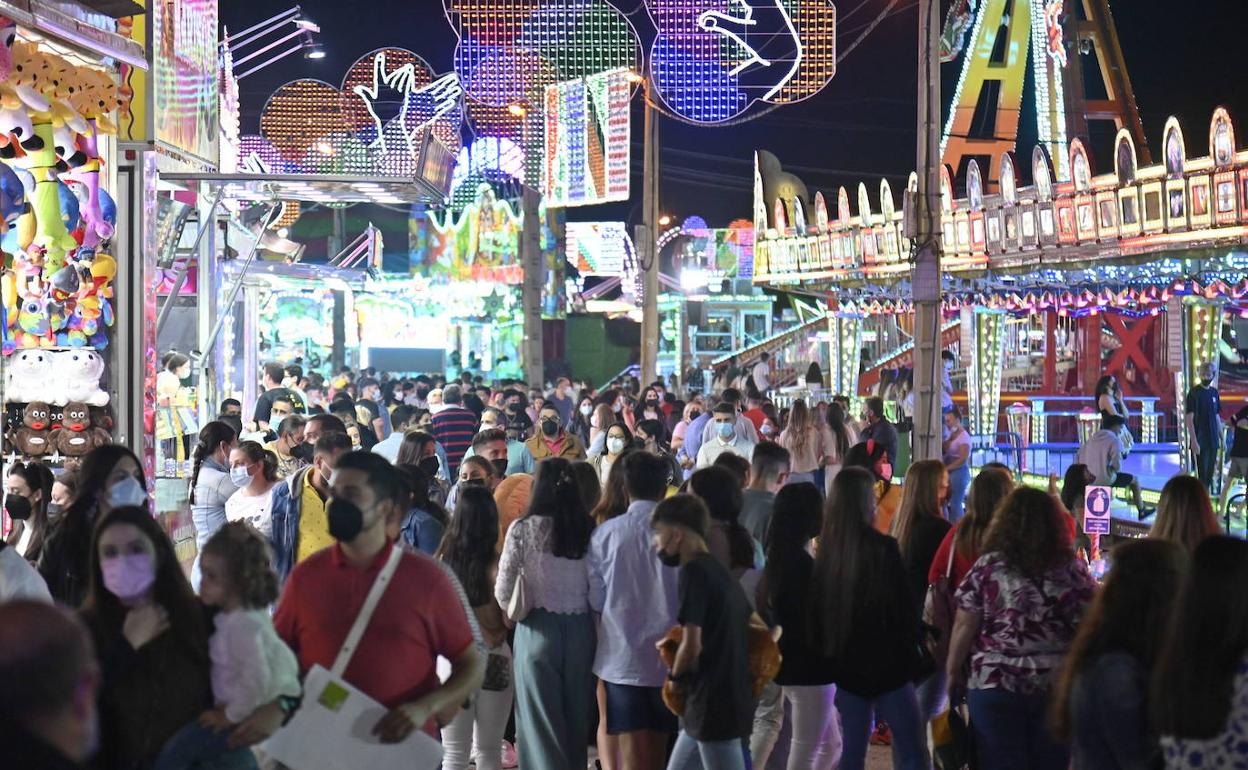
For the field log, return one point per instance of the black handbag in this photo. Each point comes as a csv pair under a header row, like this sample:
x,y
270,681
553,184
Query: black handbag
x,y
954,741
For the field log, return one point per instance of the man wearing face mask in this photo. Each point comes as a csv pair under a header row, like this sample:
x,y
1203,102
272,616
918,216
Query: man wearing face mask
x,y
289,446
491,446
519,459
370,399
49,682
879,428
395,660
562,400
300,517
727,437
551,440
703,429
420,393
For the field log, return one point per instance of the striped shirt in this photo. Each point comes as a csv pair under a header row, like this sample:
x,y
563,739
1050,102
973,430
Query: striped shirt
x,y
454,427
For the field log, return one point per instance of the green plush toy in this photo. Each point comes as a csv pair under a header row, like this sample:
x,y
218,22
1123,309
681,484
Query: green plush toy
x,y
51,235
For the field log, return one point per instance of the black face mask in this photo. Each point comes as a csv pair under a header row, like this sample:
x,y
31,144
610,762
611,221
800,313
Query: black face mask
x,y
421,393
18,507
346,520
500,466
695,414
302,452
472,482
652,403
550,427
429,465
668,559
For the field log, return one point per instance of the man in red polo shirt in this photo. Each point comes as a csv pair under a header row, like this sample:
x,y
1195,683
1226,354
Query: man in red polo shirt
x,y
419,617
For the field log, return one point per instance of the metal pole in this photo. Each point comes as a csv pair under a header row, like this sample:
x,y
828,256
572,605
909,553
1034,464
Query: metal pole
x,y
926,439
647,252
233,295
531,288
205,224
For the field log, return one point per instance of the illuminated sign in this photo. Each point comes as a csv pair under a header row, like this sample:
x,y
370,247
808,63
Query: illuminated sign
x,y
598,248
587,140
712,59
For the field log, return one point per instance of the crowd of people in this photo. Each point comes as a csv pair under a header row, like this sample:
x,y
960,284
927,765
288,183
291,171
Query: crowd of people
x,y
535,546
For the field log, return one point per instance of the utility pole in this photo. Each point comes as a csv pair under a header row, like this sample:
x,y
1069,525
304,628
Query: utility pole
x,y
647,236
926,438
531,288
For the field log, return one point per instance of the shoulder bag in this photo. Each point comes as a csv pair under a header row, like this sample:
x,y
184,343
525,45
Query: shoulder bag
x,y
332,730
521,602
939,611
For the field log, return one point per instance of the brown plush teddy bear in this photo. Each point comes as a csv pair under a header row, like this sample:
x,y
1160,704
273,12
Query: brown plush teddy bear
x,y
761,649
76,437
31,438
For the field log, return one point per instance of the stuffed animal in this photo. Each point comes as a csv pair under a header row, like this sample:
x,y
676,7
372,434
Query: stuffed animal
x,y
29,376
12,197
51,233
762,651
76,377
31,437
91,199
77,437
8,35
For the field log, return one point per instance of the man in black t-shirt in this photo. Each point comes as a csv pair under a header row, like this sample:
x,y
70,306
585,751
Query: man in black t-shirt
x,y
274,373
1238,455
711,665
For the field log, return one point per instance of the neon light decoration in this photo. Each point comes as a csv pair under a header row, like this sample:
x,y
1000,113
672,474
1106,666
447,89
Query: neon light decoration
x,y
486,158
375,123
598,248
587,140
712,59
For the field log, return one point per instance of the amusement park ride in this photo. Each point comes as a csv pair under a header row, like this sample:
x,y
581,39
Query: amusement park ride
x,y
1137,272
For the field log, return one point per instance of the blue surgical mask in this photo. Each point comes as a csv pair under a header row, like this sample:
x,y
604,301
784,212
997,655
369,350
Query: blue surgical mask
x,y
127,493
240,476
726,430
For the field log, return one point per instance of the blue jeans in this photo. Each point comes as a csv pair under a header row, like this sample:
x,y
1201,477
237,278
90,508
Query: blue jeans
x,y
900,710
959,482
196,747
1010,731
691,754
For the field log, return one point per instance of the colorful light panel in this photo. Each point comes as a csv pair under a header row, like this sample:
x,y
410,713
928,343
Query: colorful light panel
x,y
712,59
598,248
587,140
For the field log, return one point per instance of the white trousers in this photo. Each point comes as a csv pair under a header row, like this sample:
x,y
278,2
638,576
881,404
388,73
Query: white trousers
x,y
478,730
816,729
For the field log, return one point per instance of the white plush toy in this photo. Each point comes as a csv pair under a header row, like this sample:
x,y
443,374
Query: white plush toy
x,y
76,377
29,376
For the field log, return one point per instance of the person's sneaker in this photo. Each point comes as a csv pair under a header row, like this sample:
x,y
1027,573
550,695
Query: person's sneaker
x,y
882,735
509,756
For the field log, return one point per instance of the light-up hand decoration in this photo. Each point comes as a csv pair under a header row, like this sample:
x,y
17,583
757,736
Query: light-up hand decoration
x,y
444,92
385,86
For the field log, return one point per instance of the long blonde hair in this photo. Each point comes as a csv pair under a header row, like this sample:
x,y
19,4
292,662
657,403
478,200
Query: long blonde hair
x,y
799,430
920,496
1185,513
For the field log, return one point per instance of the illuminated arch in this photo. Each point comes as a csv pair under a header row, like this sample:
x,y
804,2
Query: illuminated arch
x,y
1174,148
1009,178
821,213
888,206
1222,138
1042,173
1125,159
974,186
1080,166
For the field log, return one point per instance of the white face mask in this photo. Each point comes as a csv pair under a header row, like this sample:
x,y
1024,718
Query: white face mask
x,y
240,476
587,410
615,445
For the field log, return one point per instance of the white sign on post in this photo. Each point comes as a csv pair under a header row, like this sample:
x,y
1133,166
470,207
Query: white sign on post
x,y
1096,504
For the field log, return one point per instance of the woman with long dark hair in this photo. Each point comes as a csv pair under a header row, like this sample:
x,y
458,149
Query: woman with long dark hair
x,y
579,424
555,643
28,490
614,498
425,524
468,549
1199,697
865,621
253,470
788,597
210,484
1101,699
989,488
111,477
151,634
872,456
1185,513
1110,403
843,437
1018,610
726,539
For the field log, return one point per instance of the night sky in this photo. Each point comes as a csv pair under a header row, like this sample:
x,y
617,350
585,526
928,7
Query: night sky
x,y
859,128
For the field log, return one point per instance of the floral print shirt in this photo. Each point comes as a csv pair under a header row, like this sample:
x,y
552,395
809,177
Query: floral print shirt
x,y
1228,750
1026,625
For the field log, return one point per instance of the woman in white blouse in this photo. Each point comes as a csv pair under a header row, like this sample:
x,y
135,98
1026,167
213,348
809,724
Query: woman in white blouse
x,y
253,469
555,643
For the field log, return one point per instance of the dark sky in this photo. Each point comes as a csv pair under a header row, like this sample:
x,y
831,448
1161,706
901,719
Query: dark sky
x,y
860,127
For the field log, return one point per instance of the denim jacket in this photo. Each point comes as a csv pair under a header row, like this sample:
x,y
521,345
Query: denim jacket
x,y
287,502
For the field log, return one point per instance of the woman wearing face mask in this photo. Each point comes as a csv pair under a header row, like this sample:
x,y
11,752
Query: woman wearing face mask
x,y
873,456
650,437
693,411
28,488
64,492
210,484
111,477
426,520
477,471
175,412
421,449
150,631
602,419
618,440
253,470
580,424
649,407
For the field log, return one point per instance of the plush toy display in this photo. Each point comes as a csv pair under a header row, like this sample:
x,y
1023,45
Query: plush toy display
x,y
31,437
762,651
76,436
56,274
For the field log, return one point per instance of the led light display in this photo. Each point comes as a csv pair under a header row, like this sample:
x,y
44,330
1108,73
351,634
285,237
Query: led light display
x,y
598,248
712,59
587,140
